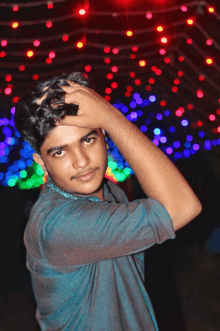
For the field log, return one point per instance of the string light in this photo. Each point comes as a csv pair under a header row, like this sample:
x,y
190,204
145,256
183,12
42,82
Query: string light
x,y
190,21
15,25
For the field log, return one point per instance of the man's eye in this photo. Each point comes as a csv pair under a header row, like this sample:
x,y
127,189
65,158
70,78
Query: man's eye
x,y
89,140
58,153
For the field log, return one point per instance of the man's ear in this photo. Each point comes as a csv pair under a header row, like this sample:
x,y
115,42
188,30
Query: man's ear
x,y
38,159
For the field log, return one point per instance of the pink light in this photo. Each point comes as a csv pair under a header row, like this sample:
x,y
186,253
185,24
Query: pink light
x,y
50,5
184,8
209,42
212,117
52,55
15,8
4,43
199,94
8,90
149,15
36,43
115,51
162,51
114,69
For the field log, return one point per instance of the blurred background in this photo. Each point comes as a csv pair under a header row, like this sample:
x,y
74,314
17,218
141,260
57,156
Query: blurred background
x,y
158,63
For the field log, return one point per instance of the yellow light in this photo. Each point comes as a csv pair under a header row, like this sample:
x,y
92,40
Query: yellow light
x,y
79,44
159,28
190,21
129,33
209,61
30,53
211,10
14,25
164,40
142,63
82,11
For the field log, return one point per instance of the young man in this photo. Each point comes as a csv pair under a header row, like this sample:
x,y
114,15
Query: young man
x,y
84,240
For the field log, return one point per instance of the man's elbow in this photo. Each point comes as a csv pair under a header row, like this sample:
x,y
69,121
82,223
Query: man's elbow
x,y
191,211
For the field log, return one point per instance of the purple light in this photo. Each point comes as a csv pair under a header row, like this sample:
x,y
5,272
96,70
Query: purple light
x,y
184,122
152,98
163,140
133,104
133,115
136,95
196,147
156,142
176,144
2,152
159,117
13,110
5,121
139,101
2,145
169,150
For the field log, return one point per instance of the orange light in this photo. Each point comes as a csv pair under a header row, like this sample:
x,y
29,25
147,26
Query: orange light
x,y
164,40
209,61
82,11
129,33
142,63
190,21
15,25
30,53
211,10
79,44
159,28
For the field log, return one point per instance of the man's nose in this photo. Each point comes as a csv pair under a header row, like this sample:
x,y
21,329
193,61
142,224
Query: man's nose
x,y
80,158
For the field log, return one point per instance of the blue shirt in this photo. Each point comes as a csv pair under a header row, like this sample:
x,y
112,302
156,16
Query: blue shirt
x,y
86,259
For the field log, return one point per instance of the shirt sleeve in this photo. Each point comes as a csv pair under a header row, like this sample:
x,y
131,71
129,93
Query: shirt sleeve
x,y
79,233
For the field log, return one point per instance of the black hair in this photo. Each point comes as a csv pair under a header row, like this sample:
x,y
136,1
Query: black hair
x,y
34,122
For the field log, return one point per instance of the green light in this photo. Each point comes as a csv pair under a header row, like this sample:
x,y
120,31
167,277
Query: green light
x,y
39,170
23,174
11,182
127,171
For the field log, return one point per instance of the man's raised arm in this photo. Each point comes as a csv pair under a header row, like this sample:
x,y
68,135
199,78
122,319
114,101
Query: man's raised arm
x,y
158,176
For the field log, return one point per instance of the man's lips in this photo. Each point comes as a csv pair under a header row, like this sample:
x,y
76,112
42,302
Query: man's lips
x,y
86,175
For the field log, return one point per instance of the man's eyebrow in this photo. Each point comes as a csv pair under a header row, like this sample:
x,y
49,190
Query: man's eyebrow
x,y
57,148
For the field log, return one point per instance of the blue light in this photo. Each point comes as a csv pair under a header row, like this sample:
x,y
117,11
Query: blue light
x,y
143,128
189,138
186,153
176,144
1,122
2,145
133,104
178,155
140,113
1,175
139,101
218,141
11,123
202,134
124,109
7,132
146,102
214,142
157,131
136,95
148,121
192,150
29,162
184,122
116,105
7,150
169,150
196,147
5,121
172,129
207,145
167,113
163,140
152,98
159,117
187,145
2,152
151,114
17,134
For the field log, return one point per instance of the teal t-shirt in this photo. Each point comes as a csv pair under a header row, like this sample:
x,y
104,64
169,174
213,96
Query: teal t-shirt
x,y
86,259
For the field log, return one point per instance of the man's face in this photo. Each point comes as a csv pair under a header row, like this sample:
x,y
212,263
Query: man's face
x,y
75,159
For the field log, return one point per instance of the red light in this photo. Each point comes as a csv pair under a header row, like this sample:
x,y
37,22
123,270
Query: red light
x,y
79,44
36,43
129,33
134,49
209,42
174,89
52,55
184,8
164,40
163,103
50,5
108,90
151,81
199,93
162,51
160,28
15,8
215,130
211,9
107,60
190,21
180,73
218,128
167,60
114,85
137,82
65,37
176,81
132,56
4,43
200,123
142,63
48,60
189,41
218,111
107,49
178,112
22,68
212,117
2,54
209,61
15,99
114,69
35,77
115,51
148,88
107,97
8,90
129,88
49,24
88,68
30,53
109,76
132,74
127,94
201,78
8,78
82,12
149,15
181,58
158,72
154,68
190,106
15,25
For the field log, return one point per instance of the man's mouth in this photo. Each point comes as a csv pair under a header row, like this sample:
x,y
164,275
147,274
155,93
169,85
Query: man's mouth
x,y
86,176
